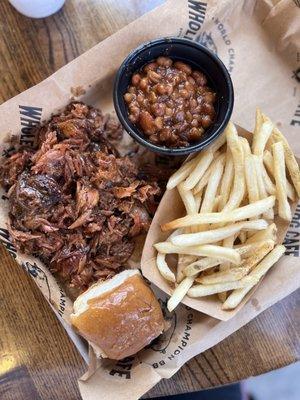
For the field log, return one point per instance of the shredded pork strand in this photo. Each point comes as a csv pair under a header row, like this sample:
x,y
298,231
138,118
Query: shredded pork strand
x,y
73,201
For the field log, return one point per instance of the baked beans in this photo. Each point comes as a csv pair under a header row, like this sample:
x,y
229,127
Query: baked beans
x,y
170,102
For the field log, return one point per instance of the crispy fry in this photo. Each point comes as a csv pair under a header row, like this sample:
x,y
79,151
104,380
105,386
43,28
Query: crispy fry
x,y
269,163
183,261
182,173
269,185
204,180
284,208
261,137
238,189
214,235
290,159
179,293
234,274
212,187
251,179
227,242
201,265
164,268
161,263
199,170
207,290
227,180
207,250
261,236
245,146
247,249
242,182
187,199
245,212
261,251
258,121
258,272
269,214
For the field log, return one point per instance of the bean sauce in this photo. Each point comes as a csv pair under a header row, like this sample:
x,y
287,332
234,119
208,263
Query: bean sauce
x,y
170,102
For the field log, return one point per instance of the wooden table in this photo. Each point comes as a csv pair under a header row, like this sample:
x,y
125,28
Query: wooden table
x,y
37,359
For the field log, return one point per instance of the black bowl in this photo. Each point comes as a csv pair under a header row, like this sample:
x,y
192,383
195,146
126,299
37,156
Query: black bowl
x,y
194,54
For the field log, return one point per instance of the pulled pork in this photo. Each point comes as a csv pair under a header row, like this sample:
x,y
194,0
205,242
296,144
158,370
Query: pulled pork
x,y
73,201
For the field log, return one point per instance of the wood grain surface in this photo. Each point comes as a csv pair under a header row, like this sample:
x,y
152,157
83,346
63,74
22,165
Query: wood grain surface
x,y
37,359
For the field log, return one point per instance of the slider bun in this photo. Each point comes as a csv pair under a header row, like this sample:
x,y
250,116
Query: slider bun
x,y
118,317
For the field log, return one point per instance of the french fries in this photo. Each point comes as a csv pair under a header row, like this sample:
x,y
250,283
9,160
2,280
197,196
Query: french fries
x,y
233,274
227,181
162,265
203,182
269,163
251,179
290,159
201,265
284,208
238,189
215,235
226,242
238,214
180,292
206,250
207,290
212,186
199,170
262,268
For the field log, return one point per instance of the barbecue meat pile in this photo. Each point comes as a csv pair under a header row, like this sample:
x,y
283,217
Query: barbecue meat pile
x,y
73,201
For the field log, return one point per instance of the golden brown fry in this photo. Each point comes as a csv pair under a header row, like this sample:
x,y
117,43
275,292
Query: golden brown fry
x,y
199,170
207,250
227,242
183,261
269,163
179,293
162,265
218,157
227,181
207,290
187,199
238,189
258,121
261,137
269,185
182,173
164,269
258,272
245,212
261,236
215,235
245,145
234,274
284,208
269,214
251,180
212,187
260,252
290,159
200,265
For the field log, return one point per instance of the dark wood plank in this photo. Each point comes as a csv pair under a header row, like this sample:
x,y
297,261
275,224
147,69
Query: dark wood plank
x,y
34,348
